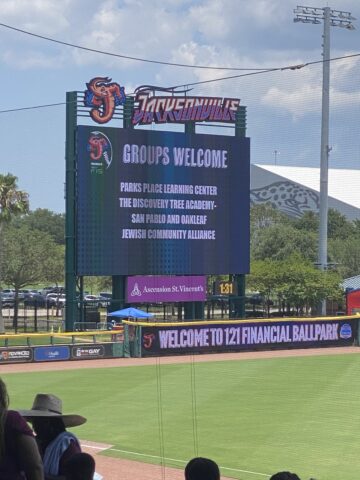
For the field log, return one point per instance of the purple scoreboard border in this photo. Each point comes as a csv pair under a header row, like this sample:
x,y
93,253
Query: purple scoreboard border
x,y
155,289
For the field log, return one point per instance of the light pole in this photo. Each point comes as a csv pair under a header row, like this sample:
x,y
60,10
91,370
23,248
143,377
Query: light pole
x,y
334,18
276,153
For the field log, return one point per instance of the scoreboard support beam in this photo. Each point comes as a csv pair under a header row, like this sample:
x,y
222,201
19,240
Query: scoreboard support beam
x,y
240,279
71,308
119,281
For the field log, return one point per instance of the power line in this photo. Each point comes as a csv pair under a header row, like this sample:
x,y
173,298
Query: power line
x,y
289,67
33,107
268,70
118,55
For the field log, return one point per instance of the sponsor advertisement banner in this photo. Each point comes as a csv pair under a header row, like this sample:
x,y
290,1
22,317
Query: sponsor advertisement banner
x,y
51,353
155,289
161,203
86,352
246,336
12,355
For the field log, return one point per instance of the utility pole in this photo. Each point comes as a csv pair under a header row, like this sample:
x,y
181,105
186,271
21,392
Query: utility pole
x,y
276,153
330,18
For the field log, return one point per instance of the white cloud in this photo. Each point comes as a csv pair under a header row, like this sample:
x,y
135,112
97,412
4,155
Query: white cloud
x,y
32,59
45,16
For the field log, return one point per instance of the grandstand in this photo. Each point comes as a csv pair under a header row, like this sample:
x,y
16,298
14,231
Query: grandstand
x,y
295,190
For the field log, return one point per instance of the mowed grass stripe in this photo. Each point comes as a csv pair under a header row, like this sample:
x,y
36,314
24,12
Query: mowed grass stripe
x,y
265,415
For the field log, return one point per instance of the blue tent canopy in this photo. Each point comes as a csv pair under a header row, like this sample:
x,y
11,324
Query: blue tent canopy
x,y
130,312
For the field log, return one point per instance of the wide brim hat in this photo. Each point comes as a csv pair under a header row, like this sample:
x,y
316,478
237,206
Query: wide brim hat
x,y
50,406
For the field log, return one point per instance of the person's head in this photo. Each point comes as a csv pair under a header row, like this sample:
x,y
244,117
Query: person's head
x,y
202,469
47,428
47,418
285,476
80,467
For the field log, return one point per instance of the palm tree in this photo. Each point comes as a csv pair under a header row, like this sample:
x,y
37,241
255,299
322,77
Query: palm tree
x,y
12,202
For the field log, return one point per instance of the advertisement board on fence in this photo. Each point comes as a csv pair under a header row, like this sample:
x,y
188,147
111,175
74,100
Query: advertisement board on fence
x,y
16,355
245,336
155,289
51,353
161,203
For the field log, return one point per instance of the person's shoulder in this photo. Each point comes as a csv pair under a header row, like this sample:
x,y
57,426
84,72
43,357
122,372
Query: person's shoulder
x,y
14,416
15,421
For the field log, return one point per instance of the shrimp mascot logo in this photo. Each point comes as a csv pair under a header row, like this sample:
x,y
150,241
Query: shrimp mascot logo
x,y
100,152
148,340
103,95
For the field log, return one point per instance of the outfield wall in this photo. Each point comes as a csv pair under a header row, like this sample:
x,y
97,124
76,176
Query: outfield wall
x,y
207,337
141,339
61,346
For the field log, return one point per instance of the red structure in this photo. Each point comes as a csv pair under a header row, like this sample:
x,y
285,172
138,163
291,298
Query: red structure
x,y
353,302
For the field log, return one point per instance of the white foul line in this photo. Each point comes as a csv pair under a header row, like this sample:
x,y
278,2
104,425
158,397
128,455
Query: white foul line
x,y
172,459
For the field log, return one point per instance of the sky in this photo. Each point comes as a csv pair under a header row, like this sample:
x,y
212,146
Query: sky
x,y
283,107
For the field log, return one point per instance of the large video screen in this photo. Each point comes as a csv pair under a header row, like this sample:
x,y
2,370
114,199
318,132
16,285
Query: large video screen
x,y
161,203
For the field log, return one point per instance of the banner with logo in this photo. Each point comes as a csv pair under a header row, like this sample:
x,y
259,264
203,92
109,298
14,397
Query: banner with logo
x,y
246,336
161,203
155,289
16,355
51,353
87,352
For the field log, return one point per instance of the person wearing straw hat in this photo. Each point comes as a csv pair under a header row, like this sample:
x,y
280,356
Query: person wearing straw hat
x,y
56,445
19,455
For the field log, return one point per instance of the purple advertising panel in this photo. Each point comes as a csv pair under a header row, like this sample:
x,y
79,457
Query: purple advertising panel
x,y
154,289
246,336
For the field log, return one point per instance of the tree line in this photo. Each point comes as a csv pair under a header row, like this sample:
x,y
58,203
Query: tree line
x,y
283,252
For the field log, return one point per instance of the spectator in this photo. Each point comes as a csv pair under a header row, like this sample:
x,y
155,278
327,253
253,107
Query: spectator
x,y
202,469
284,476
19,454
80,467
56,445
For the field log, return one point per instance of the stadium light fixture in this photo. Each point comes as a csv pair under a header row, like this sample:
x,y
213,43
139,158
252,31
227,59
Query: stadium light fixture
x,y
334,18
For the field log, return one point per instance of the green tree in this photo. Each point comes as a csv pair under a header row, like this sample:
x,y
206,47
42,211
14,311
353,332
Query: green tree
x,y
339,226
345,254
13,202
46,221
279,242
293,284
30,256
309,222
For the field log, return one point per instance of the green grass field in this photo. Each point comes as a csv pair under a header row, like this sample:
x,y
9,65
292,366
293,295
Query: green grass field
x,y
254,417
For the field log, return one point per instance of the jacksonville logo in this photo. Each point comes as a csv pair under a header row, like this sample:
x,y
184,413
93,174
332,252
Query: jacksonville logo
x,y
103,95
100,152
148,340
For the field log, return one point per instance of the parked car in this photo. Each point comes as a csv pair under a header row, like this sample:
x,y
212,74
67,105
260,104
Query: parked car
x,y
35,300
51,299
105,299
7,300
55,289
61,300
91,300
96,300
23,293
9,292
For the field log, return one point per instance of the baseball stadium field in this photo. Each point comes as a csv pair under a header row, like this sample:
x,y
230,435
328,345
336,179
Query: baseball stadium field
x,y
253,416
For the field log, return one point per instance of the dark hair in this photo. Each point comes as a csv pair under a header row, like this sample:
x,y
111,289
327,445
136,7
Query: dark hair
x,y
4,404
47,429
202,469
285,476
80,466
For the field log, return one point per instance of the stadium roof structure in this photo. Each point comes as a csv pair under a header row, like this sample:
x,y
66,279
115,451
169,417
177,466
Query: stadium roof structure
x,y
351,283
295,190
